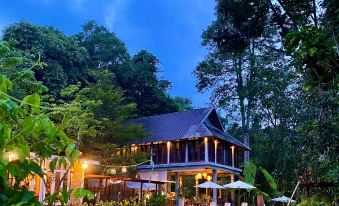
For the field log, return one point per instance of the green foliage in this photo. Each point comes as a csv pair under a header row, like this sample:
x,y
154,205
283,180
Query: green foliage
x,y
25,128
314,201
252,176
126,202
156,200
275,74
65,58
249,172
187,189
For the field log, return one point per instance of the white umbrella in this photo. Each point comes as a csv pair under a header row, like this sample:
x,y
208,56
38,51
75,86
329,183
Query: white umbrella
x,y
239,185
283,199
209,184
137,185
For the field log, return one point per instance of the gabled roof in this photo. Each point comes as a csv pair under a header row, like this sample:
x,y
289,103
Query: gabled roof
x,y
194,123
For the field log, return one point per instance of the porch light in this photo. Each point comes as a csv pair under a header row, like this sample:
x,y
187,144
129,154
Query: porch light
x,y
124,169
84,165
198,176
205,175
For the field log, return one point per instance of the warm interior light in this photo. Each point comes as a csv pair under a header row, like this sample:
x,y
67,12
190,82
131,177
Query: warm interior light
x,y
84,165
205,175
123,169
209,178
198,176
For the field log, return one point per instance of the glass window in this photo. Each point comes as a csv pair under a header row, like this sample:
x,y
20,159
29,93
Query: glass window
x,y
178,151
196,150
220,153
160,153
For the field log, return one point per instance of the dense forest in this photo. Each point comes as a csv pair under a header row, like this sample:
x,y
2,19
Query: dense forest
x,y
92,76
272,68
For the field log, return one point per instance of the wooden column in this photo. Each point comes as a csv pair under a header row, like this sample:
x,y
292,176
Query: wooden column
x,y
215,178
206,149
215,150
232,156
168,152
151,159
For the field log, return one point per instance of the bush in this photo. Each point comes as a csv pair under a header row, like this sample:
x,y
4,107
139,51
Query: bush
x,y
156,200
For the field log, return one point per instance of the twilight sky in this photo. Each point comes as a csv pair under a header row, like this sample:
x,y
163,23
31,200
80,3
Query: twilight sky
x,y
170,29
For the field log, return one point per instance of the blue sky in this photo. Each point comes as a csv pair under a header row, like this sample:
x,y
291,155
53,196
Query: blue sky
x,y
170,29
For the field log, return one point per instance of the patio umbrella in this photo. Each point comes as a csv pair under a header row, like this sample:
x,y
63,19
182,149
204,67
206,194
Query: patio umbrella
x,y
283,199
209,184
239,185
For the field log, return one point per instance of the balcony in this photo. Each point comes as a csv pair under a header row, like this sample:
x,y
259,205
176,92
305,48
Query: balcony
x,y
203,152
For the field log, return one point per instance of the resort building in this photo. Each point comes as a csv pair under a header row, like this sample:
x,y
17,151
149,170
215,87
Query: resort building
x,y
189,143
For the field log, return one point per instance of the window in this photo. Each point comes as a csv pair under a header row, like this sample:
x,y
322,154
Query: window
x,y
220,153
160,153
178,152
196,150
228,155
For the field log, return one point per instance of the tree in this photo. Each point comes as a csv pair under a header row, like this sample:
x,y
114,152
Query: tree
x,y
106,52
19,68
146,89
294,81
95,116
65,58
26,128
184,104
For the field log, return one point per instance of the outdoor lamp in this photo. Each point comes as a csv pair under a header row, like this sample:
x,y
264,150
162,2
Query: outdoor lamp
x,y
113,171
12,156
205,175
84,165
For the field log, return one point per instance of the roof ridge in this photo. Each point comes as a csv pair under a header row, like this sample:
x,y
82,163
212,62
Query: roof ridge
x,y
170,113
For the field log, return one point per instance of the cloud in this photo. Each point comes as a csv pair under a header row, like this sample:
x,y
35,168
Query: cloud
x,y
77,4
113,12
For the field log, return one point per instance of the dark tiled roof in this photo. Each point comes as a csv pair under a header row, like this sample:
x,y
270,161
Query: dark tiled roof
x,y
182,125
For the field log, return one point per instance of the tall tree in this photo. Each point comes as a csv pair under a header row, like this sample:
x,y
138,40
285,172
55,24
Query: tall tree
x,y
65,59
233,39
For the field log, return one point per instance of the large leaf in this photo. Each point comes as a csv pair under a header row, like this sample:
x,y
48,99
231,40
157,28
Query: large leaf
x,y
81,193
33,101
